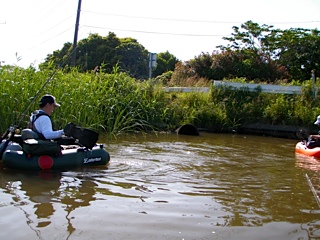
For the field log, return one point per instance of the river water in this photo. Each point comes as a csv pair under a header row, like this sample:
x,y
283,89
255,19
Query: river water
x,y
212,186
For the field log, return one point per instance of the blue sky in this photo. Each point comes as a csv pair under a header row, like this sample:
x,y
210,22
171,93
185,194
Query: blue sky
x,y
32,29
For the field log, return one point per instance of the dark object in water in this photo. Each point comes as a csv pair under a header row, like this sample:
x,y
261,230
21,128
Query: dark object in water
x,y
188,129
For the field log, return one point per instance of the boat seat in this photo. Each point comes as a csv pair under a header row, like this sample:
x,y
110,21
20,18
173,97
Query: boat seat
x,y
28,134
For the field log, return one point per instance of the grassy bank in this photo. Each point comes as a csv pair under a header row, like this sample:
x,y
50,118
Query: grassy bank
x,y
115,103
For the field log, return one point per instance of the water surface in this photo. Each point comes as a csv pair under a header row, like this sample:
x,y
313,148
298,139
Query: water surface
x,y
214,186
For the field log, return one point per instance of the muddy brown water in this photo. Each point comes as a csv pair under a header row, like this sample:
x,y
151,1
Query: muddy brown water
x,y
213,186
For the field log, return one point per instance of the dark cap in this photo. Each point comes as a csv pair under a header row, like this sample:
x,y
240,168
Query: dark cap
x,y
48,99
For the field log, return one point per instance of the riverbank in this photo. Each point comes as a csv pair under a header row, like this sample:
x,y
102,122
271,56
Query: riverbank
x,y
280,131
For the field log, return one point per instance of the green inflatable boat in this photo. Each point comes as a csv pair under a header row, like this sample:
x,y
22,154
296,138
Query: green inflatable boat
x,y
66,159
26,151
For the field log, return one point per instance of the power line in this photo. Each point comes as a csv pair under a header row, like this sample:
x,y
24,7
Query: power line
x,y
51,10
161,19
42,34
160,33
49,29
191,20
35,46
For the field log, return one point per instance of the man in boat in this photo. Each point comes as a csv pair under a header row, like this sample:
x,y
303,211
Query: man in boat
x,y
314,140
40,121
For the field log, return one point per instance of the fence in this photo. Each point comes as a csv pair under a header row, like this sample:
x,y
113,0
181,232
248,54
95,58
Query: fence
x,y
268,88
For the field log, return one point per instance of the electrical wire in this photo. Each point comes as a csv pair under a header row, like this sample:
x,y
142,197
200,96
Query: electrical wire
x,y
49,39
58,24
50,10
160,33
162,19
190,20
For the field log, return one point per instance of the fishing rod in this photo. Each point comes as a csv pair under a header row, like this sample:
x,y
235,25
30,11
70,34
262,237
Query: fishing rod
x,y
11,130
43,86
315,194
18,122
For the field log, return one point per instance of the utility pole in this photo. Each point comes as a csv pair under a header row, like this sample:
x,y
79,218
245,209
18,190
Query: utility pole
x,y
75,39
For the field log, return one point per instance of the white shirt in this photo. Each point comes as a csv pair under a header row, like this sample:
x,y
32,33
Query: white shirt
x,y
44,126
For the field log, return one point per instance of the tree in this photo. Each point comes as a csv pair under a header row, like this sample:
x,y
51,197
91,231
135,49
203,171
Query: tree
x,y
165,62
251,37
249,55
202,65
109,51
245,63
290,53
298,50
96,50
58,57
133,58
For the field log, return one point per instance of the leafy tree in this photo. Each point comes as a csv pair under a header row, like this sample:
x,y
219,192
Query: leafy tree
x,y
109,51
298,50
134,57
58,57
245,63
165,62
249,36
202,65
289,53
96,50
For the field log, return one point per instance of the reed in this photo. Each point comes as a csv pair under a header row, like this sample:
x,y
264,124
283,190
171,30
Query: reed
x,y
245,107
116,103
109,103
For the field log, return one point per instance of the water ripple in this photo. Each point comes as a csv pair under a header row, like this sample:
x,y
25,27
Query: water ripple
x,y
172,187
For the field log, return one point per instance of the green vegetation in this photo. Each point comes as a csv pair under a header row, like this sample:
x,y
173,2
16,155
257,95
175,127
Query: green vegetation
x,y
253,52
109,103
107,91
106,52
117,103
260,53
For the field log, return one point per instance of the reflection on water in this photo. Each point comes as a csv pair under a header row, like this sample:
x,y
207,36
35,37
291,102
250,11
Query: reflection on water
x,y
39,195
307,162
214,186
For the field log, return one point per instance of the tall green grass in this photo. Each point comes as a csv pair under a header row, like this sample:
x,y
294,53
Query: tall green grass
x,y
109,103
245,107
116,103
